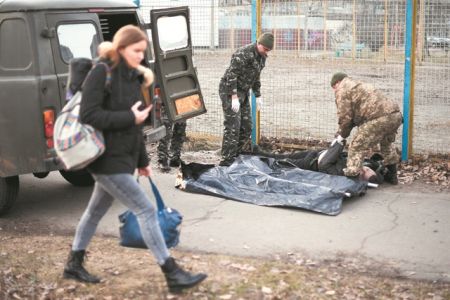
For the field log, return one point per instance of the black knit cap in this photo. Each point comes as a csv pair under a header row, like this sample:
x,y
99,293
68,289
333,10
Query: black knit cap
x,y
337,77
266,39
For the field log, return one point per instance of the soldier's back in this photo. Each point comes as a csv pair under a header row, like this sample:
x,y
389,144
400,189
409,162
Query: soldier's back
x,y
370,103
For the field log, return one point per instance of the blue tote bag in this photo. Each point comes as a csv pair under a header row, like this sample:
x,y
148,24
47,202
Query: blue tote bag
x,y
169,220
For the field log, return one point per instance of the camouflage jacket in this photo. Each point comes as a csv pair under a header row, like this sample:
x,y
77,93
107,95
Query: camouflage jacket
x,y
244,70
358,103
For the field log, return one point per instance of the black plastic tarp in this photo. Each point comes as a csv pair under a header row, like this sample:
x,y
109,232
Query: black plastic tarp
x,y
261,181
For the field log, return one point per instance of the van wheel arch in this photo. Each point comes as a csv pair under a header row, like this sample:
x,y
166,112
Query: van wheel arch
x,y
9,189
78,177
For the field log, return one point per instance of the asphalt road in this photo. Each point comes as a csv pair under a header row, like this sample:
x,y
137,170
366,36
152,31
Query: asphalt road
x,y
402,228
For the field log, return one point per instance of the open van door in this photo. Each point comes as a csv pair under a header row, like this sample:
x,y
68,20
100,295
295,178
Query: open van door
x,y
174,67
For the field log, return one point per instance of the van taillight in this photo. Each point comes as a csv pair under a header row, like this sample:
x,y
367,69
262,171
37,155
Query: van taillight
x,y
49,121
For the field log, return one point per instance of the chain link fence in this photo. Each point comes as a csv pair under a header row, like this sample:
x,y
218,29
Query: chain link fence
x,y
432,91
314,39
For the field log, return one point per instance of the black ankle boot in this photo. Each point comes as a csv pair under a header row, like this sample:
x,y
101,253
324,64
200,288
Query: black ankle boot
x,y
178,279
391,174
74,268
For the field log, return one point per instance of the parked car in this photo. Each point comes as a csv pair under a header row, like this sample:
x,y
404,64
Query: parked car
x,y
37,40
438,42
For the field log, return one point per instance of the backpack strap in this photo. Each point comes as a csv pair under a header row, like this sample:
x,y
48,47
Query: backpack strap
x,y
108,72
78,69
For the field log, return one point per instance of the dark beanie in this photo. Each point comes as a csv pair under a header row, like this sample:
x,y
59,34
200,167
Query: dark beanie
x,y
266,39
337,77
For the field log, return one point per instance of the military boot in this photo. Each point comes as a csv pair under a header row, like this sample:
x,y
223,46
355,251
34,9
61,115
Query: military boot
x,y
391,174
178,279
74,268
175,162
226,162
163,165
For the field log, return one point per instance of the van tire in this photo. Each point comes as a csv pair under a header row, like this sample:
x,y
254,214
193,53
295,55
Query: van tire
x,y
78,178
9,189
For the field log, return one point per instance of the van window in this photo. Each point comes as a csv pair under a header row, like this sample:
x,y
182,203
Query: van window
x,y
173,33
15,47
77,40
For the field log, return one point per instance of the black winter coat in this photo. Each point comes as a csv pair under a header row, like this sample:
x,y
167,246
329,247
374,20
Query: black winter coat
x,y
109,109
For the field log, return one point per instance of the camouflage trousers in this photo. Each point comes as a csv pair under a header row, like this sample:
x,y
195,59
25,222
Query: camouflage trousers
x,y
382,132
237,126
170,146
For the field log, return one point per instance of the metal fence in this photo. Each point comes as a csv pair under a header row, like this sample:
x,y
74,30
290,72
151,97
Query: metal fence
x,y
314,39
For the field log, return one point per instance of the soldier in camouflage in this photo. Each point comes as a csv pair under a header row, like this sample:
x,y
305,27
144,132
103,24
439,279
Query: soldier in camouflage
x,y
377,118
169,147
241,76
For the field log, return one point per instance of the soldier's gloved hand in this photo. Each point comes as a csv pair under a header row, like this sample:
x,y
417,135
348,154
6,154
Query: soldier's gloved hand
x,y
235,105
259,103
339,139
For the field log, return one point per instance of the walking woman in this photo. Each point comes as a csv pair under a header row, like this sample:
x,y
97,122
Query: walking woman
x,y
115,109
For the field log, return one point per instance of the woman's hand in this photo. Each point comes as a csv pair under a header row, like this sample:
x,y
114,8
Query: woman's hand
x,y
145,171
140,115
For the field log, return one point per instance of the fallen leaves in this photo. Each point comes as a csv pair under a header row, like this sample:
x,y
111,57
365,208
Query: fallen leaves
x,y
243,267
130,274
266,290
431,170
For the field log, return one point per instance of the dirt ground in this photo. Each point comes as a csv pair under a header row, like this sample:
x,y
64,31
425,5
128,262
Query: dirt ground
x,y
32,259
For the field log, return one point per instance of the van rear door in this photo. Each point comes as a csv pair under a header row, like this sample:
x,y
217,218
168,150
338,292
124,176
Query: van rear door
x,y
72,35
175,70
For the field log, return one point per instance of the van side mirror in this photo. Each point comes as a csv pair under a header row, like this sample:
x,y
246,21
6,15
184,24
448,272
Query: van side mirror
x,y
48,33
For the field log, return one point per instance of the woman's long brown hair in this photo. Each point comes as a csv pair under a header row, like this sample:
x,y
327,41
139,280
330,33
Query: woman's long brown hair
x,y
125,36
